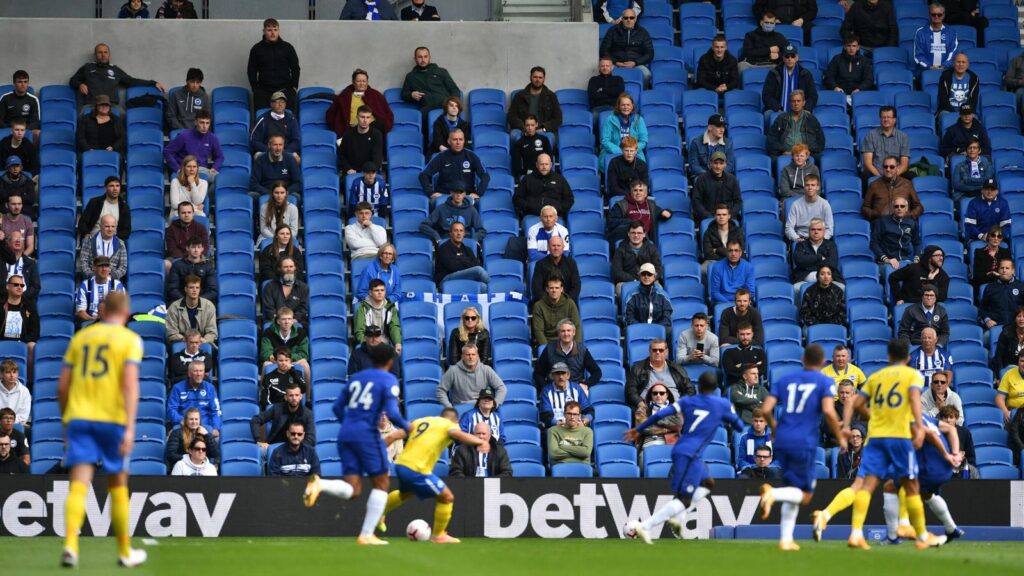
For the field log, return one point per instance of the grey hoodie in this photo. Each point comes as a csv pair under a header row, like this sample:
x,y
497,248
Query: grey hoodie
x,y
185,467
465,386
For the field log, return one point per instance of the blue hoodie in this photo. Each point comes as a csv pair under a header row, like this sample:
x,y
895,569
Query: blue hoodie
x,y
266,127
392,280
440,220
724,280
182,397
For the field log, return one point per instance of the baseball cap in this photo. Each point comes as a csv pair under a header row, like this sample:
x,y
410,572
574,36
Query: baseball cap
x,y
370,167
966,109
719,155
103,99
559,367
101,261
486,393
279,95
648,268
990,183
372,330
716,120
13,161
789,49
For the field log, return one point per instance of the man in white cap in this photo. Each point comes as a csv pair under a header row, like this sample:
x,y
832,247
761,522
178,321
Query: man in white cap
x,y
648,305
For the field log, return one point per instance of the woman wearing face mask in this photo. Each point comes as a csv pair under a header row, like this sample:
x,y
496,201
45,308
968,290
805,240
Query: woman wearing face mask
x,y
281,246
286,290
658,397
762,46
278,210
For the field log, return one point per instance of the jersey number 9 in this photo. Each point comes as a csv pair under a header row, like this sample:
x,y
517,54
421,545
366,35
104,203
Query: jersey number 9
x,y
95,365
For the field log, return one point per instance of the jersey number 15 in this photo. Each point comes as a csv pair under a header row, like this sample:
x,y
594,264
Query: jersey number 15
x,y
95,365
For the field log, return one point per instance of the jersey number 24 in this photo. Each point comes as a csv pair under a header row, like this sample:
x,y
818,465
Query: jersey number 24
x,y
360,395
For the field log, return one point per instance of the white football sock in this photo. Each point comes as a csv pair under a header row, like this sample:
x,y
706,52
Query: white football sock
x,y
937,504
374,510
673,508
788,494
788,523
336,488
699,494
891,507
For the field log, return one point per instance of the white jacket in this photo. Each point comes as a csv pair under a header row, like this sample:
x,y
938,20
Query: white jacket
x,y
364,241
19,400
185,467
197,196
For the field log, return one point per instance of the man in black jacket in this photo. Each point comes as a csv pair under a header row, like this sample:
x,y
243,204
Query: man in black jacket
x,y
744,352
774,93
528,147
273,67
629,45
583,369
849,71
907,284
281,415
958,85
103,78
625,169
469,462
604,89
542,187
420,11
762,46
361,146
88,223
275,384
793,12
656,368
874,21
454,260
194,263
633,253
714,187
536,96
717,69
557,262
813,253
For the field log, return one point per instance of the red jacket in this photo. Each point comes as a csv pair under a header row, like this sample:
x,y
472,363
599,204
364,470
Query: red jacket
x,y
340,111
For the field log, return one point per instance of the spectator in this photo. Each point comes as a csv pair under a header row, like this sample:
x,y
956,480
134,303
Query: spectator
x,y
697,344
528,148
1001,297
273,167
603,90
20,317
842,369
455,260
14,182
368,10
884,142
929,313
745,353
455,167
277,212
194,263
185,102
849,71
658,397
965,13
18,444
583,369
470,330
180,231
342,114
178,362
196,391
189,187
16,221
890,187
636,251
187,430
377,310
484,411
15,144
730,274
763,468
192,312
757,435
812,253
466,379
636,207
719,233
450,120
14,395
99,129
748,395
103,243
656,369
845,392
605,14
648,305
1010,396
362,146
556,263
427,84
971,175
625,169
537,100
284,332
199,142
934,44
907,283
101,78
795,13
371,189
874,21
958,136
824,302
19,263
196,462
787,79
19,103
9,462
629,45
273,67
968,465
92,291
986,258
791,180
274,385
286,290
361,360
364,237
762,46
896,237
420,11
542,187
277,121
807,208
179,10
469,462
553,307
848,462
1014,78
797,126
134,9
932,361
281,246
540,233
555,395
296,457
281,414
624,121
741,311
716,187
570,441
958,86
704,146
385,269
718,69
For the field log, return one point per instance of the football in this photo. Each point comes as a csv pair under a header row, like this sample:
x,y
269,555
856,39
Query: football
x,y
628,531
418,530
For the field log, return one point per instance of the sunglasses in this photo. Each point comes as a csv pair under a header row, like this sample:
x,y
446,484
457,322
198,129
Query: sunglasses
x,y
469,318
574,414
199,449
934,381
659,393
16,285
646,274
629,17
899,205
658,350
296,433
790,56
937,14
996,235
889,166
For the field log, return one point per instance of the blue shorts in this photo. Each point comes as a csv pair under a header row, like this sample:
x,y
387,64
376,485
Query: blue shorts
x,y
95,443
798,466
364,458
888,458
422,485
932,483
687,474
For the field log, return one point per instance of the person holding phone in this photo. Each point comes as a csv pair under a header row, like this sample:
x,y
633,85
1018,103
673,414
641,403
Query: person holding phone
x,y
697,344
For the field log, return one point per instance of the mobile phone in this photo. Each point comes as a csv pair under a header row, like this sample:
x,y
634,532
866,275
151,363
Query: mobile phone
x,y
700,347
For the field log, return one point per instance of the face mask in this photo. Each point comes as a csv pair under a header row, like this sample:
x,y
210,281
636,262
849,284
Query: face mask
x,y
288,279
768,26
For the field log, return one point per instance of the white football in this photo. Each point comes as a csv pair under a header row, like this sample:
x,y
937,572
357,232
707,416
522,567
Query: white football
x,y
629,531
418,531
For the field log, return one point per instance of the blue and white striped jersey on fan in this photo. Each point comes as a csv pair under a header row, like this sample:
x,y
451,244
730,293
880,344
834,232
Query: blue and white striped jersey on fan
x,y
928,364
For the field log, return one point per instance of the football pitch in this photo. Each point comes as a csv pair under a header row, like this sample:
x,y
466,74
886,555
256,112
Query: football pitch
x,y
337,556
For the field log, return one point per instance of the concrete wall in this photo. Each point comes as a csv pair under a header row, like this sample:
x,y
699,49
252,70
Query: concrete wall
x,y
478,54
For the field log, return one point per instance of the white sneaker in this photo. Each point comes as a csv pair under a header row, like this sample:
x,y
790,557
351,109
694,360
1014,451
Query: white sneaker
x,y
640,532
676,527
69,559
134,558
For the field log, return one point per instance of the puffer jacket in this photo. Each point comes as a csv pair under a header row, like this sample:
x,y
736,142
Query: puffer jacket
x,y
823,305
622,44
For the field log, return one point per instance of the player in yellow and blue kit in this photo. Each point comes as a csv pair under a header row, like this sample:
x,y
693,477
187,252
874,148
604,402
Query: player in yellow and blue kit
x,y
98,392
414,467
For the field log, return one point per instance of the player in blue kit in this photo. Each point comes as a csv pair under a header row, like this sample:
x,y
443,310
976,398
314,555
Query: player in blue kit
x,y
702,415
360,446
804,397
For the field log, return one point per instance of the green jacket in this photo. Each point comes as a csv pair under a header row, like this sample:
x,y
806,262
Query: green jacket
x,y
392,328
570,445
547,314
433,81
298,343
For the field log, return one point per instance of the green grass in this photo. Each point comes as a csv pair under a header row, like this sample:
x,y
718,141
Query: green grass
x,y
341,556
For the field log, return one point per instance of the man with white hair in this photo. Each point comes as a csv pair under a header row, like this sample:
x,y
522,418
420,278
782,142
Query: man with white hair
x,y
538,235
469,461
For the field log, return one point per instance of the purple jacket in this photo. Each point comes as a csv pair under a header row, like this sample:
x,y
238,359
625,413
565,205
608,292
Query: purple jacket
x,y
205,147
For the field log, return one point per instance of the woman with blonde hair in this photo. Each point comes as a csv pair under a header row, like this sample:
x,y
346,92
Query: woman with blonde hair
x,y
189,187
181,437
469,331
